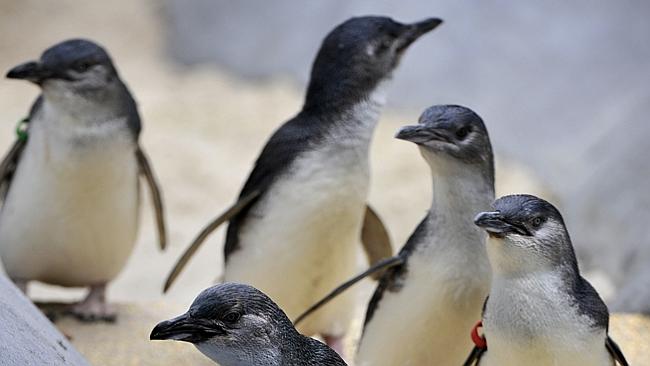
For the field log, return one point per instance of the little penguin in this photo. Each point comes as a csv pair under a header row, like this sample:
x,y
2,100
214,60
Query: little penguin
x,y
540,311
422,307
69,184
238,325
294,229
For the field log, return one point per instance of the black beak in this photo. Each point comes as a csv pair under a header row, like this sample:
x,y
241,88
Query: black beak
x,y
497,225
419,134
32,71
186,329
414,31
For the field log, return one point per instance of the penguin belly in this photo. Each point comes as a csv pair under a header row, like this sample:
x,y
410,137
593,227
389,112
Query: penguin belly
x,y
541,352
302,239
71,214
428,321
549,329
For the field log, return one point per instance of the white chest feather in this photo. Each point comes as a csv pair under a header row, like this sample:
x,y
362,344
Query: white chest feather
x,y
71,214
302,239
427,321
532,321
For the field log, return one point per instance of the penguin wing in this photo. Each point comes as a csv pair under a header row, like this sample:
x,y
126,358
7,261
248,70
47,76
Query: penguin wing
x,y
147,173
278,153
375,240
10,161
474,357
393,278
379,267
9,165
615,351
214,224
294,138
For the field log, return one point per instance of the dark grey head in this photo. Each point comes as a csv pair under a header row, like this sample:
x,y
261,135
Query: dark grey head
x,y
75,66
78,77
231,323
356,56
452,131
526,233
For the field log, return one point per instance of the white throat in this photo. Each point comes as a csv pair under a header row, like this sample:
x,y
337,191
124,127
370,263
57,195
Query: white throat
x,y
459,192
357,125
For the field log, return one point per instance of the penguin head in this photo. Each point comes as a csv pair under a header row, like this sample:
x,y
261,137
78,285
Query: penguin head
x,y
452,134
526,233
75,67
356,56
229,321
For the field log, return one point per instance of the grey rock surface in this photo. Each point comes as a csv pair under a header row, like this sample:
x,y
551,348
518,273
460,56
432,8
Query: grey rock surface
x,y
27,337
563,87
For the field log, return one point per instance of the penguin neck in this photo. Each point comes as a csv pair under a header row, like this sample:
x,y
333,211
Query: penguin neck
x,y
335,90
460,190
350,113
67,115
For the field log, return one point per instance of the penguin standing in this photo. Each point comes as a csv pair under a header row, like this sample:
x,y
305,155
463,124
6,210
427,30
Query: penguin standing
x,y
237,325
70,182
540,310
292,233
423,306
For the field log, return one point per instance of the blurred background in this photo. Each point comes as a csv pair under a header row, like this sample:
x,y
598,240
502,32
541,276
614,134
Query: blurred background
x,y
563,88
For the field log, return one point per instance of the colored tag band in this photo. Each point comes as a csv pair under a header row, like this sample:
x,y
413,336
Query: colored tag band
x,y
478,340
21,129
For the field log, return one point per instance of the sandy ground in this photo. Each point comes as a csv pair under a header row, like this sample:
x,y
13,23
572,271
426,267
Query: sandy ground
x,y
202,130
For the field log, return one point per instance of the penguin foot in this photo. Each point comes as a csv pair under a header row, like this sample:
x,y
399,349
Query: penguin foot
x,y
94,307
335,343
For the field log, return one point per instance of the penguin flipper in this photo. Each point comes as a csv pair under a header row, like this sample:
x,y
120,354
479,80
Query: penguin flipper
x,y
375,240
8,166
243,202
156,196
10,161
615,351
377,267
474,357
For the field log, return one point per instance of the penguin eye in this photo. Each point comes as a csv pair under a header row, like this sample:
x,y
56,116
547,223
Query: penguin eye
x,y
462,132
82,66
537,222
383,46
231,317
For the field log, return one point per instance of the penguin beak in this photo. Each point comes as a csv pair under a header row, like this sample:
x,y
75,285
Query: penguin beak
x,y
497,226
414,31
420,134
186,329
31,71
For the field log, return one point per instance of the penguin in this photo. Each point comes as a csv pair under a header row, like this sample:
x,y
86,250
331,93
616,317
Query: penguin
x,y
430,292
431,298
292,233
238,325
69,184
540,310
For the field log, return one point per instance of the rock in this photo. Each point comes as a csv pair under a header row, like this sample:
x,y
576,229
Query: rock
x,y
27,336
